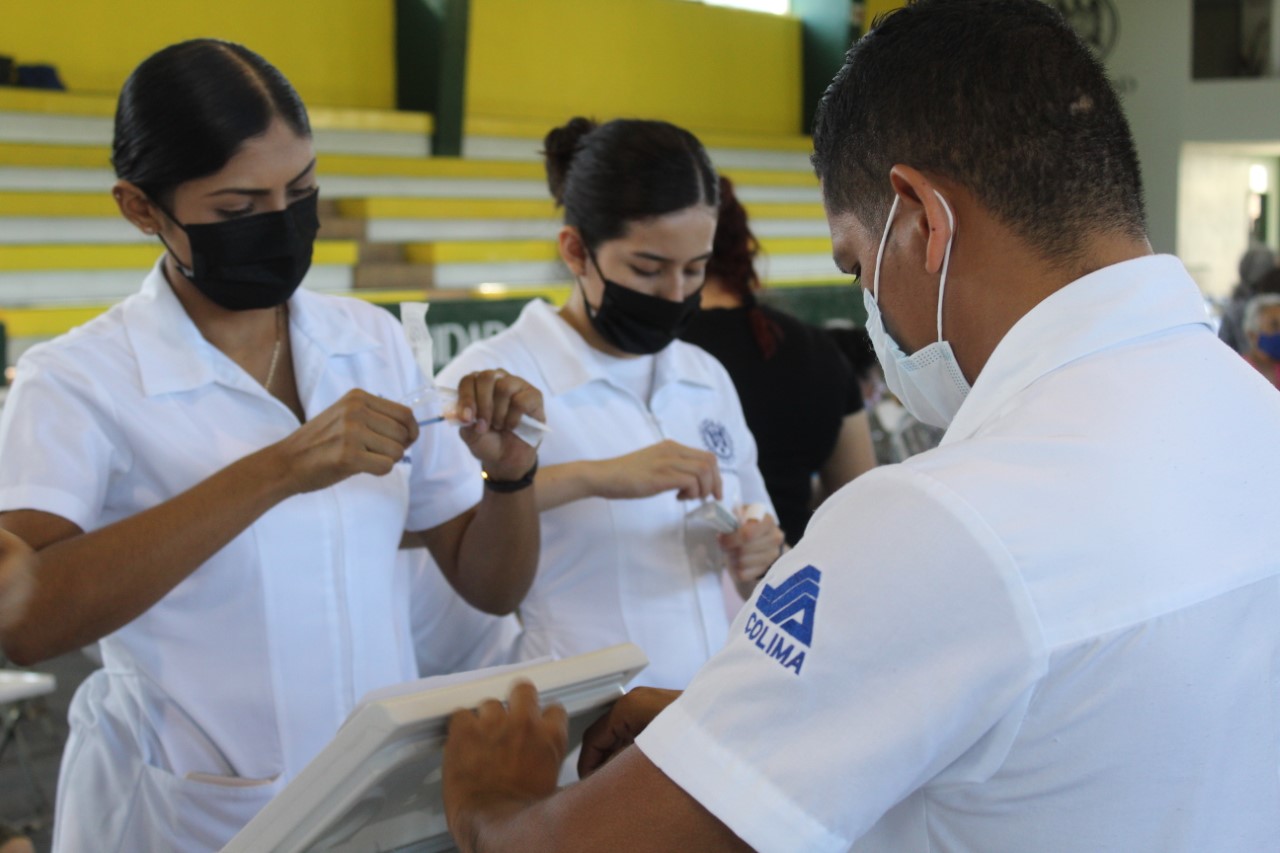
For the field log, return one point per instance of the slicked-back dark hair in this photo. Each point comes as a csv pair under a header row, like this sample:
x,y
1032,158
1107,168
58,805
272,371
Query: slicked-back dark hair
x,y
1000,96
187,109
608,176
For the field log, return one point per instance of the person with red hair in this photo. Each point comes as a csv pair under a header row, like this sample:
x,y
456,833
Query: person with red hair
x,y
799,394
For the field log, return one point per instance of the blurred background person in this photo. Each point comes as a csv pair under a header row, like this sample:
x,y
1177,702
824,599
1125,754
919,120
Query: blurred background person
x,y
1262,331
799,394
13,841
1257,263
896,434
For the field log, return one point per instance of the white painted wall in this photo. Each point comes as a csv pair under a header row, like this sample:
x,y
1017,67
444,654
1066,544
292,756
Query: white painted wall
x,y
1213,214
1191,190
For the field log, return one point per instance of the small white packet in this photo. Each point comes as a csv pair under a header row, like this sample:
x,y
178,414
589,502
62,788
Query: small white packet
x,y
413,318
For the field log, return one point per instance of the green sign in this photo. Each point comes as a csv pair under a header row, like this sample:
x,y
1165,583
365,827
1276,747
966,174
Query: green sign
x,y
455,325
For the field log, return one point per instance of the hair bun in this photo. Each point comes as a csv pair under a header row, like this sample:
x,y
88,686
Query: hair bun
x,y
558,150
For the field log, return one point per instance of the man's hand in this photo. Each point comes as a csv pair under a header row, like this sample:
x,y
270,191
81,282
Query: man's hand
x,y
616,730
498,760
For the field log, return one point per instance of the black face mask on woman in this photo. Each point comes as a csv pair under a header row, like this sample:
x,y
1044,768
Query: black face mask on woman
x,y
255,261
636,322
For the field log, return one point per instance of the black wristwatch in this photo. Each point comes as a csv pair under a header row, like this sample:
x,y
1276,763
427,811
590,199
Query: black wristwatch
x,y
508,486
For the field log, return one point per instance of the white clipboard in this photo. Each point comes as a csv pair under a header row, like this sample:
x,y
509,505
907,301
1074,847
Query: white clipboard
x,y
376,786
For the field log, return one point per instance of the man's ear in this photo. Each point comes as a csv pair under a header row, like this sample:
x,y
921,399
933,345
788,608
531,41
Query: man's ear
x,y
573,250
136,207
931,216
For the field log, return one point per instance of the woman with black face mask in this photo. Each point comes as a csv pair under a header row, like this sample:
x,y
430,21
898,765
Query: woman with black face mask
x,y
216,478
649,442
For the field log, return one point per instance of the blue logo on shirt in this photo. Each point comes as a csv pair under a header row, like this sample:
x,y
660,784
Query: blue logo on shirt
x,y
788,609
716,437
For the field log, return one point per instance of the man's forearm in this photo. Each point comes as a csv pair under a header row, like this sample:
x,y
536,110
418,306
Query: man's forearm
x,y
504,824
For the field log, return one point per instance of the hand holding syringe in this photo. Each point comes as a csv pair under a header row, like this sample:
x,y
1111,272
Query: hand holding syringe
x,y
433,405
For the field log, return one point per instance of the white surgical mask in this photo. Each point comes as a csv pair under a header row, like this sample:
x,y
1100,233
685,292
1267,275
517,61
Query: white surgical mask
x,y
928,382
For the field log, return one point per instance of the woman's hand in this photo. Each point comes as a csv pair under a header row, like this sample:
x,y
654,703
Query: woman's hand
x,y
360,434
751,550
667,466
658,468
492,402
15,578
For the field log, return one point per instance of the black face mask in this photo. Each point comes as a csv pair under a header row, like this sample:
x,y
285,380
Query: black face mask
x,y
253,262
636,322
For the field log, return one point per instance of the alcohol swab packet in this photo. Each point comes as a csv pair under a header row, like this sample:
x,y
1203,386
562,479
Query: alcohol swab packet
x,y
433,405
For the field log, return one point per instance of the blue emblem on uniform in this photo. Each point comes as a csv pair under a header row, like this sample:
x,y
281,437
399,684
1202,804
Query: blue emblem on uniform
x,y
716,438
789,608
791,604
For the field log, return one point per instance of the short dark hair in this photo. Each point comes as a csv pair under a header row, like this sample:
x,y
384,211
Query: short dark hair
x,y
187,109
1000,96
608,176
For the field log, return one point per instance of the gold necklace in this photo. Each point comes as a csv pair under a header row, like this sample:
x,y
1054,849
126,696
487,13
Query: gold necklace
x,y
275,351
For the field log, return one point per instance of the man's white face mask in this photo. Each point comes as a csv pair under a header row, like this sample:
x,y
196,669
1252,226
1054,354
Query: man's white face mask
x,y
929,382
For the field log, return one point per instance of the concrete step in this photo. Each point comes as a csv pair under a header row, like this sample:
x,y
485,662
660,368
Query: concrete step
x,y
394,276
89,257
62,118
518,140
383,253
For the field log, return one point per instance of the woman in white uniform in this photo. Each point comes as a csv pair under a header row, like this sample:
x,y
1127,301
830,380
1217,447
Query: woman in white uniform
x,y
216,478
646,427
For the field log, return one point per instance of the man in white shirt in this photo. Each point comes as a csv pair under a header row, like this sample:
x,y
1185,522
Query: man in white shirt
x,y
1032,637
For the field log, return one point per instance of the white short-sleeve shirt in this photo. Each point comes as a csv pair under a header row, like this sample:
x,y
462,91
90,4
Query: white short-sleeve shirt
x,y
614,571
249,665
1055,632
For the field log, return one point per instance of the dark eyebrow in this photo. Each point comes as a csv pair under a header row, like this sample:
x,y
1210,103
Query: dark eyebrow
x,y
649,256
259,192
301,174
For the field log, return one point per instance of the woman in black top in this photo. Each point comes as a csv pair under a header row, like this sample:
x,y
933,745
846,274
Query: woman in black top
x,y
798,392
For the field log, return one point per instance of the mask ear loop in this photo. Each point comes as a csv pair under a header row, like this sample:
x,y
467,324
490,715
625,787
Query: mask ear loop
x,y
187,271
884,238
591,256
946,259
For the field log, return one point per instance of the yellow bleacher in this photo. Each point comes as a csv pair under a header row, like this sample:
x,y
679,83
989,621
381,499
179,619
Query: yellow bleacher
x,y
397,223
